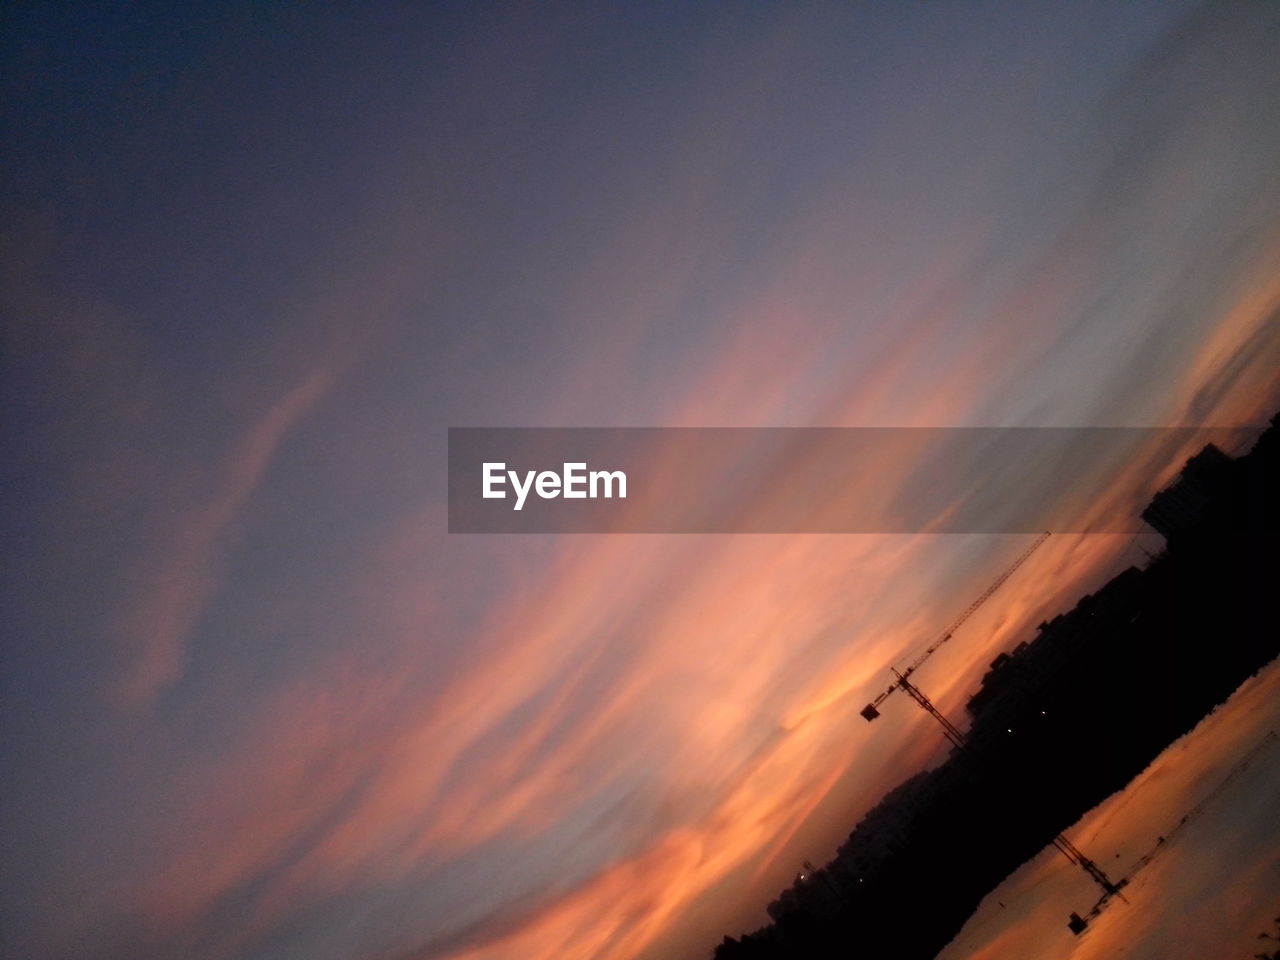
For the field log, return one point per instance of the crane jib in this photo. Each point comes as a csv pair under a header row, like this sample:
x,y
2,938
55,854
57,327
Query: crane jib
x,y
871,710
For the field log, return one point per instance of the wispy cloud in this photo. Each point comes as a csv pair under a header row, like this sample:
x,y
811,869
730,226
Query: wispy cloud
x,y
178,577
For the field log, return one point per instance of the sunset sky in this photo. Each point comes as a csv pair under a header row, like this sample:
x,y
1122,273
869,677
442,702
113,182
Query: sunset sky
x,y
258,703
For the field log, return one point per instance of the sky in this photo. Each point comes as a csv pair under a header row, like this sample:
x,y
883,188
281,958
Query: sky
x,y
258,703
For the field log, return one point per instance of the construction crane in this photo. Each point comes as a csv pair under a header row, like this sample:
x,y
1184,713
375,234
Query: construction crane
x,y
957,736
872,709
1077,924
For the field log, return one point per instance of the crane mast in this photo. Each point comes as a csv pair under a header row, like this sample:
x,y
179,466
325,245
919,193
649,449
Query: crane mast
x,y
872,709
954,733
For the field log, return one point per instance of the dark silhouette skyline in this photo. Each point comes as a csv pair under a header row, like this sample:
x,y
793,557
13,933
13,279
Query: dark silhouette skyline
x,y
1058,723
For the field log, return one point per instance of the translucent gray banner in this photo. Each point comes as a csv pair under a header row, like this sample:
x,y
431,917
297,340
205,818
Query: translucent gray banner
x,y
804,480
